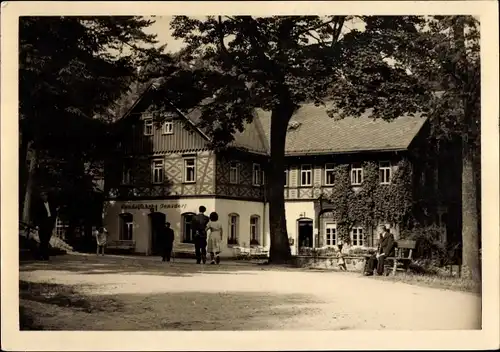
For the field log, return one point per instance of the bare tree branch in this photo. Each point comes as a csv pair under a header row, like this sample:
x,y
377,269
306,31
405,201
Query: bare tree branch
x,y
317,27
337,29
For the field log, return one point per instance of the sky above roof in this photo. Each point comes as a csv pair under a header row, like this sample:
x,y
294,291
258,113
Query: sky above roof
x,y
161,28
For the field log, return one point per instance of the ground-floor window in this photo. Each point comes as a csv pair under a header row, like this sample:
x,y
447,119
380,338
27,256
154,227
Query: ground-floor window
x,y
127,227
232,237
254,230
187,229
331,235
357,236
60,228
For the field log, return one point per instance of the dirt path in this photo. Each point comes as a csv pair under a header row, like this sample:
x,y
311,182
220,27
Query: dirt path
x,y
114,293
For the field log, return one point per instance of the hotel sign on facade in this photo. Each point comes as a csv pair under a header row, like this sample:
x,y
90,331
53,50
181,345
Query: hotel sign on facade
x,y
153,206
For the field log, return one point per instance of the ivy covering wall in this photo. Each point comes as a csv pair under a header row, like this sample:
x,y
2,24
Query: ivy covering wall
x,y
372,203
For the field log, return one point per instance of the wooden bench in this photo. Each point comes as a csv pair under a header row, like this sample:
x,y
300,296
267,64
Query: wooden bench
x,y
403,256
121,244
249,253
454,258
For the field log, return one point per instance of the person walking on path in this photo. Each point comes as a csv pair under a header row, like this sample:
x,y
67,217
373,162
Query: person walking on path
x,y
44,219
214,231
385,249
199,224
167,242
101,237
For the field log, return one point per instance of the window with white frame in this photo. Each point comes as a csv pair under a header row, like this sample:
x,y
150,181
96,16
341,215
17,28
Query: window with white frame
x,y
158,169
329,174
187,229
331,235
126,175
190,170
60,228
168,127
257,175
357,236
148,127
254,230
286,177
234,170
356,174
232,237
385,172
306,175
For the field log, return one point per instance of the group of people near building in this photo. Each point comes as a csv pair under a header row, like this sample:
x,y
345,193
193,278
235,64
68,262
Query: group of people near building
x,y
207,235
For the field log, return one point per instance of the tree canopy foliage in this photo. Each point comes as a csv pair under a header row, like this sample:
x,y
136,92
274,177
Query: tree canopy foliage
x,y
437,60
388,66
72,72
72,69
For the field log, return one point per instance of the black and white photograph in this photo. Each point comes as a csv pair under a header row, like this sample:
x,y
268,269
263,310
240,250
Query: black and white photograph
x,y
190,171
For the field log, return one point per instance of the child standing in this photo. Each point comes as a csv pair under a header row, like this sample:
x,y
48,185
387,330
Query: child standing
x,y
341,261
101,236
340,256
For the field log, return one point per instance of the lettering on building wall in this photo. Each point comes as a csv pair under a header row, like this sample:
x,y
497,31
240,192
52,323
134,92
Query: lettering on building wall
x,y
153,206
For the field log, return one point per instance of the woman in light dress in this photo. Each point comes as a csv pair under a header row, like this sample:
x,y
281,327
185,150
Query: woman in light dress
x,y
214,231
101,236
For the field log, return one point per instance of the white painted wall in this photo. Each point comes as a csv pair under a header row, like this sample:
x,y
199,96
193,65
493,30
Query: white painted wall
x,y
294,211
244,209
142,230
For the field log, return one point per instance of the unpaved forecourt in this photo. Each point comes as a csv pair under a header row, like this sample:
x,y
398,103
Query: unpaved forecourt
x,y
83,292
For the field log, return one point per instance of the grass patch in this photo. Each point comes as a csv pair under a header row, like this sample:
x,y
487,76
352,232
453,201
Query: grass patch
x,y
435,281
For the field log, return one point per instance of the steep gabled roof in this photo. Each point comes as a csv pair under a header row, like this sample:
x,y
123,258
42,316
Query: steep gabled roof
x,y
312,131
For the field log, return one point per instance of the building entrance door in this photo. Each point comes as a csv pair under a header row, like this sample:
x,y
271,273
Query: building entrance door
x,y
157,223
305,237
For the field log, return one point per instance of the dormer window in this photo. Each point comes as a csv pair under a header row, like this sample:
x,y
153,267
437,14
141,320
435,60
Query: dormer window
x,y
293,125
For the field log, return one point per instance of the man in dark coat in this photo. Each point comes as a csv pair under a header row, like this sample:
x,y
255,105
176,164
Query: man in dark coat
x,y
385,249
199,225
44,218
168,242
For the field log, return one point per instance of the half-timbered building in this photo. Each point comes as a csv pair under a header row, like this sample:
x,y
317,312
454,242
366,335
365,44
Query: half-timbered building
x,y
165,172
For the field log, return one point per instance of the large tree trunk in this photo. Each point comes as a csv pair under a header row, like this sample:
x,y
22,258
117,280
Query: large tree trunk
x,y
28,189
470,235
279,252
24,146
471,113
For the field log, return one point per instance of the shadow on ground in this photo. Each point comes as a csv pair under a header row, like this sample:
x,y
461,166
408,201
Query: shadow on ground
x,y
60,307
93,265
